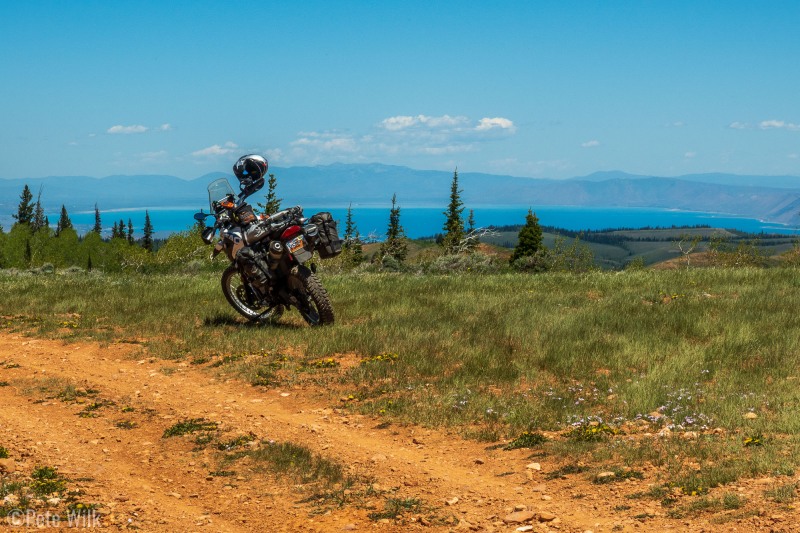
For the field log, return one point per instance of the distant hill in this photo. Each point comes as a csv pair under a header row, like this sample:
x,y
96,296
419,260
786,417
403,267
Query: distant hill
x,y
777,182
773,198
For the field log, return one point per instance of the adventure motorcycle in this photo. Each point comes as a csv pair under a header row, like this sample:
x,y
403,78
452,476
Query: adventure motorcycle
x,y
268,256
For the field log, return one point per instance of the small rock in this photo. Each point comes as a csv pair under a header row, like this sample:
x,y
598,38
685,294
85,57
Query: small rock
x,y
524,528
690,435
545,516
534,466
520,507
546,498
750,415
452,501
7,465
519,517
349,527
378,458
417,441
479,461
604,476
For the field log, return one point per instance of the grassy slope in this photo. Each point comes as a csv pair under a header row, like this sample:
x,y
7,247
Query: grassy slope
x,y
495,355
662,247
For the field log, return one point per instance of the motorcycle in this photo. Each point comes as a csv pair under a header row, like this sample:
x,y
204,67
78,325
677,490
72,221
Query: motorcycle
x,y
276,247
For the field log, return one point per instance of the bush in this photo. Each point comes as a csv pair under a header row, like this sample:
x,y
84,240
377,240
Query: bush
x,y
477,263
576,257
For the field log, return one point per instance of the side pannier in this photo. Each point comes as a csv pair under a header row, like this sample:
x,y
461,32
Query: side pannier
x,y
328,242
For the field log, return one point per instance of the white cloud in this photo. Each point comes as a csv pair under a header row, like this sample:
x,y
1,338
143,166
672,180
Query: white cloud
x,y
119,129
216,150
792,156
690,155
737,125
778,124
399,135
591,144
678,124
486,124
165,127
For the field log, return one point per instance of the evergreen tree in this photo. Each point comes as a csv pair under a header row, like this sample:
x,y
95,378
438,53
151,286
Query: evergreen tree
x,y
530,238
356,250
349,227
25,209
39,219
473,239
396,244
130,232
114,231
454,224
147,239
63,222
273,203
98,226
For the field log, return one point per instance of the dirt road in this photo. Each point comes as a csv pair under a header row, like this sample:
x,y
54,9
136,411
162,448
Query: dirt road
x,y
109,445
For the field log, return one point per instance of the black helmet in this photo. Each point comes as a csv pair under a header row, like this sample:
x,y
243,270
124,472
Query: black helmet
x,y
250,171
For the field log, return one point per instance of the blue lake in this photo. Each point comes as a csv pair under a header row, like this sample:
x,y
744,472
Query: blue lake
x,y
427,221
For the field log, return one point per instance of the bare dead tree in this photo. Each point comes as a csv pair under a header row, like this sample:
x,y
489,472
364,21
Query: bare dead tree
x,y
472,238
687,245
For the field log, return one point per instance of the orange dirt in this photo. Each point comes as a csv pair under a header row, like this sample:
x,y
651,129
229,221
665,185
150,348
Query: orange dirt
x,y
144,481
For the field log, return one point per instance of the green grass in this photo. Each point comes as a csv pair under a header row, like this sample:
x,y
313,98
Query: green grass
x,y
185,427
494,355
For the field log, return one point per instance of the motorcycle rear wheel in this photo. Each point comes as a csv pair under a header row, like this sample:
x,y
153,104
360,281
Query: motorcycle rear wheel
x,y
236,292
318,310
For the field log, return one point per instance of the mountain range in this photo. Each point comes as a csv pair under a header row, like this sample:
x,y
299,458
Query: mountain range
x,y
771,198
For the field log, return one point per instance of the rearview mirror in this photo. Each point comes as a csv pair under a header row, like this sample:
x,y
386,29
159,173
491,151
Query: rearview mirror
x,y
200,217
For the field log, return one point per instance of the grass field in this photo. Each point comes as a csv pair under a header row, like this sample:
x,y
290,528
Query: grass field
x,y
708,356
614,249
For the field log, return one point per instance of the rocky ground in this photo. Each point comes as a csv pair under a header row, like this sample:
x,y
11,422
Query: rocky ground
x,y
106,440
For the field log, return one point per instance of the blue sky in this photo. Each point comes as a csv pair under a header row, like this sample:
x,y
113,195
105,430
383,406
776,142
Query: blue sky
x,y
528,88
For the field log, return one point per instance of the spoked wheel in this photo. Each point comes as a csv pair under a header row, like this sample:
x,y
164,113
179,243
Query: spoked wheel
x,y
240,297
315,306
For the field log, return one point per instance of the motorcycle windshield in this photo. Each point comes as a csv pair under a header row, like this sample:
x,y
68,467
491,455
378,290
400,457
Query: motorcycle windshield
x,y
218,190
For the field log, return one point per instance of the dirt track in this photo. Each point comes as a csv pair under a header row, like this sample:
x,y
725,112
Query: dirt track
x,y
155,484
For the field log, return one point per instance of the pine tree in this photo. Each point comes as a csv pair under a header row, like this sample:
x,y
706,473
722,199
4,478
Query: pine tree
x,y
354,252
98,226
349,227
63,222
25,209
115,231
39,218
396,244
472,239
273,203
147,239
357,250
530,238
130,232
454,224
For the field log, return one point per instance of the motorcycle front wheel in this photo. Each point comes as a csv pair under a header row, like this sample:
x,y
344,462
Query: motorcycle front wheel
x,y
239,296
